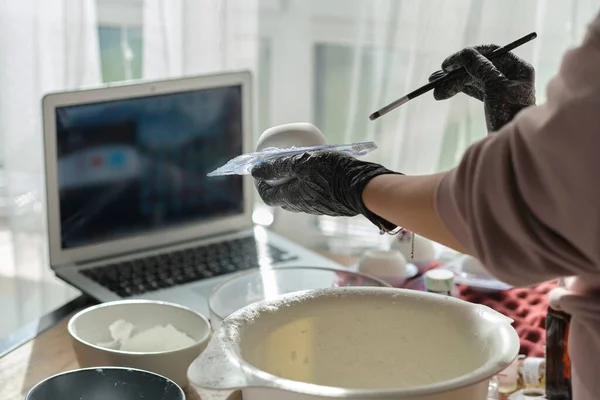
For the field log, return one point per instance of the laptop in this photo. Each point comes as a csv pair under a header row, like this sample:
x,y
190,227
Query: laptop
x,y
131,212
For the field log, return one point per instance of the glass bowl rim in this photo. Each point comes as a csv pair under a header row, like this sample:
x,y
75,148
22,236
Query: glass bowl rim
x,y
259,270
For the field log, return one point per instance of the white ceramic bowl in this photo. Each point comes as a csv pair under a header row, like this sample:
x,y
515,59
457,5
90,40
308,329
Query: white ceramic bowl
x,y
358,343
90,327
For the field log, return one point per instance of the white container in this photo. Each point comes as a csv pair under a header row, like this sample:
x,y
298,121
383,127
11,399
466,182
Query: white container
x,y
440,281
358,343
298,134
389,265
90,327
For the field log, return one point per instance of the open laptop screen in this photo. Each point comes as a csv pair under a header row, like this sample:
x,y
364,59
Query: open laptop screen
x,y
134,166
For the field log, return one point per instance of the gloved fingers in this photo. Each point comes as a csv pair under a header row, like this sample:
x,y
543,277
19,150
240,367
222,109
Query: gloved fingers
x,y
273,196
514,68
473,91
448,89
455,61
436,75
523,70
277,168
486,49
289,209
482,70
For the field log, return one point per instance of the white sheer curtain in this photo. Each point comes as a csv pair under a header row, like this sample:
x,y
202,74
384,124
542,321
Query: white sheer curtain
x,y
187,37
45,46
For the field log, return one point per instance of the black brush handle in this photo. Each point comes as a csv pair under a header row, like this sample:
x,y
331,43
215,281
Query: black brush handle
x,y
446,76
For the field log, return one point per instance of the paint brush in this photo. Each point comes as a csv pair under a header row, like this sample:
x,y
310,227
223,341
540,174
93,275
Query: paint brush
x,y
445,77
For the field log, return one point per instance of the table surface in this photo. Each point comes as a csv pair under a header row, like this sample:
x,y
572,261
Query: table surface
x,y
51,353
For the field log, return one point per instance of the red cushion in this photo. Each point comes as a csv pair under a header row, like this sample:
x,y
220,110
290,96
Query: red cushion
x,y
526,306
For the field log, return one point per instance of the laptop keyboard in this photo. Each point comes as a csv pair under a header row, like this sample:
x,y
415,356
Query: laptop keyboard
x,y
134,277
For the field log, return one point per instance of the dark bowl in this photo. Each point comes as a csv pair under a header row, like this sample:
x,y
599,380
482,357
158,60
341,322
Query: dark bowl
x,y
106,383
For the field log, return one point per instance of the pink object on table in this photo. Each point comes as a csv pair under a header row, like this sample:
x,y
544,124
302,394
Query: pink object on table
x,y
526,306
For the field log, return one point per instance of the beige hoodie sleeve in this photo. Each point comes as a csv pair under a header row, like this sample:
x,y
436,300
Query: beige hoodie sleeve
x,y
526,201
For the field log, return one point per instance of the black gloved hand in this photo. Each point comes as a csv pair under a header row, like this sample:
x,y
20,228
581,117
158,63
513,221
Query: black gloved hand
x,y
505,85
323,183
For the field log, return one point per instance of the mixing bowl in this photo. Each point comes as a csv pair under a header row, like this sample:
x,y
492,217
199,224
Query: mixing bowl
x,y
106,383
249,287
358,343
90,328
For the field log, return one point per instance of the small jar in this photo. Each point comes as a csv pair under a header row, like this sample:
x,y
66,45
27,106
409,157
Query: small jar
x,y
440,281
532,373
493,392
508,379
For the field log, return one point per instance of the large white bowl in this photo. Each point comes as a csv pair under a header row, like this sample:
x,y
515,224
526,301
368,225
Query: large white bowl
x,y
358,343
90,327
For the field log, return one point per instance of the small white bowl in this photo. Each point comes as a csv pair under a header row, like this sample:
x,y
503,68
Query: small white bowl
x,y
388,265
89,327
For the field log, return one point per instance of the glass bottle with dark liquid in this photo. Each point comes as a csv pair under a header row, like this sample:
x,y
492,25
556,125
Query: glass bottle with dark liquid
x,y
558,363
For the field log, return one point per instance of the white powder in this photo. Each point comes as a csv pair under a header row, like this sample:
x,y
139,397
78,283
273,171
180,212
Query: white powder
x,y
158,338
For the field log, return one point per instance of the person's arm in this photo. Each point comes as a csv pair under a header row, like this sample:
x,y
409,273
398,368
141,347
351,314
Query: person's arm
x,y
526,200
408,201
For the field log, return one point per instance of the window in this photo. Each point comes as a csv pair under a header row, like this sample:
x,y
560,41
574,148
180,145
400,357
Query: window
x,y
120,39
120,52
334,86
346,93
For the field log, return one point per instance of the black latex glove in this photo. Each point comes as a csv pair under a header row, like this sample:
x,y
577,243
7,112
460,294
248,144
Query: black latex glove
x,y
505,85
323,183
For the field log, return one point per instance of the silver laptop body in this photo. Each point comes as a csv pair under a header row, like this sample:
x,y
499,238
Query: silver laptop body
x,y
131,213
